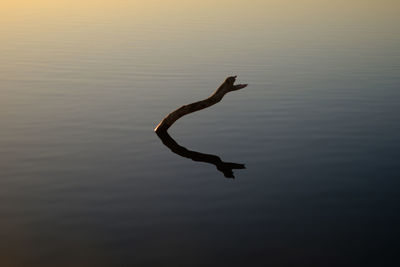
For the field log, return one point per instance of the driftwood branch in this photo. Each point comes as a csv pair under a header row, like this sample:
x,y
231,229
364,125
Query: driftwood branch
x,y
226,87
225,167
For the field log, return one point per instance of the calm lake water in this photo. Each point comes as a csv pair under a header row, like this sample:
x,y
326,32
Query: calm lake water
x,y
84,180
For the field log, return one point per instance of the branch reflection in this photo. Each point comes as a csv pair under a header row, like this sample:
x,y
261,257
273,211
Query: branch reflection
x,y
225,167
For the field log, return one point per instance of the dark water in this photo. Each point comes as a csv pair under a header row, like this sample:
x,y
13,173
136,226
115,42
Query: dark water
x,y
84,180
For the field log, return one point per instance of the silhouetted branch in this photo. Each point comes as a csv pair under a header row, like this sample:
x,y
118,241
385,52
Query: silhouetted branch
x,y
225,167
226,87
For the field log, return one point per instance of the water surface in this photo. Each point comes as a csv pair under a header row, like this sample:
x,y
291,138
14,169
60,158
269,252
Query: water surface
x,y
84,181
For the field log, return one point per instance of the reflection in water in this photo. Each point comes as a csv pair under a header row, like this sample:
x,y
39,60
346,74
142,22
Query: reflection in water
x,y
225,167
